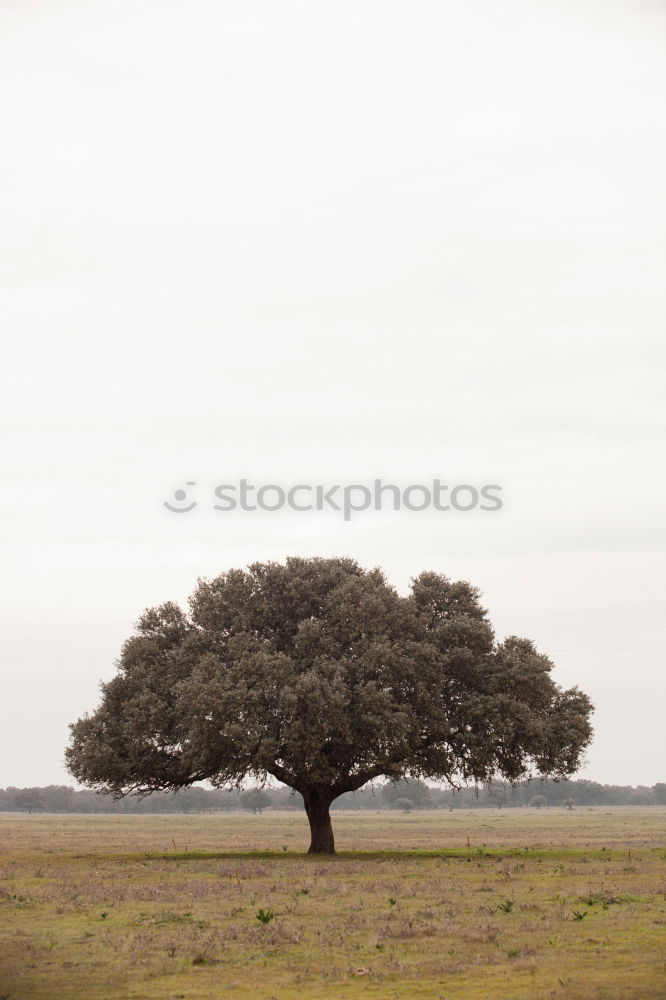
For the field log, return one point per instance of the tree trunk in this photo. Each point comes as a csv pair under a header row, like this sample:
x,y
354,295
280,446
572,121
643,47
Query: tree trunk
x,y
317,805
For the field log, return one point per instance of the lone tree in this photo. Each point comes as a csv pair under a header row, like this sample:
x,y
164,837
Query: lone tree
x,y
319,674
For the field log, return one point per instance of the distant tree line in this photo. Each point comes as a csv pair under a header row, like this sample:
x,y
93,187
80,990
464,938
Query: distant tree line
x,y
408,795
63,799
404,795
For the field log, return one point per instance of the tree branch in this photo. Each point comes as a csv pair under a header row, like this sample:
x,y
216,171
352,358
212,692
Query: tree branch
x,y
284,775
356,781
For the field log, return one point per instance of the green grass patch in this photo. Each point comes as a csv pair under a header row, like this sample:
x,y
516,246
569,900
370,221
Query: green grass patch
x,y
92,909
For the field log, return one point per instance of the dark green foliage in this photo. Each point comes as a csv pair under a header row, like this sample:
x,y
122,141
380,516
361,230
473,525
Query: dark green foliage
x,y
318,674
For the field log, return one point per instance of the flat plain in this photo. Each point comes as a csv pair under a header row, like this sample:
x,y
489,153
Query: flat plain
x,y
511,904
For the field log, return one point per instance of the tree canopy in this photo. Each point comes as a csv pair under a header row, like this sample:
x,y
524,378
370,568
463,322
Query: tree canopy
x,y
319,674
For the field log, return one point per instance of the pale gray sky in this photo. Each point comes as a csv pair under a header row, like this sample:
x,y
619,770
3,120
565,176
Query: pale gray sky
x,y
327,242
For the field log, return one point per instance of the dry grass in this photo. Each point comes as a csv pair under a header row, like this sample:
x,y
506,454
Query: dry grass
x,y
541,904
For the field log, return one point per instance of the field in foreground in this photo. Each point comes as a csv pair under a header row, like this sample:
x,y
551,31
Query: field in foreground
x,y
509,905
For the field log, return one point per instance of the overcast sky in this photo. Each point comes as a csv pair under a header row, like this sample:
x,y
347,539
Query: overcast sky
x,y
322,243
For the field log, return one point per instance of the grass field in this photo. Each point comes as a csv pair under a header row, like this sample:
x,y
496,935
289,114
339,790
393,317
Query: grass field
x,y
514,904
